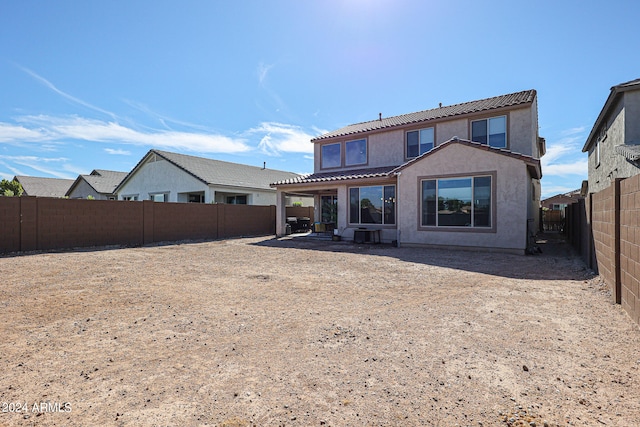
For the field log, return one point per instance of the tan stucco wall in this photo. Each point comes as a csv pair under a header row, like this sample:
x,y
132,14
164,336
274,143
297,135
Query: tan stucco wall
x,y
523,131
511,191
387,148
387,234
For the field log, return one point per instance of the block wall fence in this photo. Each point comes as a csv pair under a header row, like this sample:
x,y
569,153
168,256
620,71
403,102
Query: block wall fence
x,y
40,223
609,239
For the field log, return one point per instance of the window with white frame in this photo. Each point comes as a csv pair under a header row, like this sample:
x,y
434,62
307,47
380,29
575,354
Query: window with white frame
x,y
372,205
355,152
492,131
331,156
237,200
419,142
457,202
159,197
130,197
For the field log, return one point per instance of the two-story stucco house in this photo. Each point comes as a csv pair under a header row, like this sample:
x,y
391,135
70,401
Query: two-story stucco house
x,y
614,141
464,175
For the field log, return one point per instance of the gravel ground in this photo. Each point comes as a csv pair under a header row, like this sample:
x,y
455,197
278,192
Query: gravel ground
x,y
267,332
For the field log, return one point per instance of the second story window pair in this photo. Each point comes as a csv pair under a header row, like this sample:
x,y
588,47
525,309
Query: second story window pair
x,y
491,131
419,142
355,153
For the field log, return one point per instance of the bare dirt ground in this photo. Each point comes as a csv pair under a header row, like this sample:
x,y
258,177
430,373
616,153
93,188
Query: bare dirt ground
x,y
268,332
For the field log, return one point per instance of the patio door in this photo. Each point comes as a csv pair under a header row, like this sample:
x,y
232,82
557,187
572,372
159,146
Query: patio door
x,y
329,209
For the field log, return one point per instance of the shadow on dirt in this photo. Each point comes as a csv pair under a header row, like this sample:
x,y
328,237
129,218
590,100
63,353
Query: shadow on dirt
x,y
557,261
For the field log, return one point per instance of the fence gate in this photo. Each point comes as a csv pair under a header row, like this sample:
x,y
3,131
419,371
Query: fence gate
x,y
552,220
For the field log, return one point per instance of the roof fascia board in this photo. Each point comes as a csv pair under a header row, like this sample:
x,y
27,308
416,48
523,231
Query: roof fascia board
x,y
605,110
433,121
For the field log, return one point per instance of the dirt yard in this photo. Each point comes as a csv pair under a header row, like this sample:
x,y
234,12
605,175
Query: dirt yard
x,y
271,332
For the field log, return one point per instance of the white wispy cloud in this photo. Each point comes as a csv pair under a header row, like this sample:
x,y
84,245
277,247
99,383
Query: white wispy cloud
x,y
569,145
263,71
280,137
54,128
65,95
44,165
13,133
573,131
117,152
564,156
578,167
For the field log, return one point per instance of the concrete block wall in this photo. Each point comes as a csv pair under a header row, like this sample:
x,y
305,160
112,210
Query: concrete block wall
x,y
10,224
30,223
614,216
630,246
603,229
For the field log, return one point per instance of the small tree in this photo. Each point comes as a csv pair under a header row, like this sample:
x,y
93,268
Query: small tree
x,y
10,188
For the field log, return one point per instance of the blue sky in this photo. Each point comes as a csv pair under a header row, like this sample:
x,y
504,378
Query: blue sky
x,y
95,84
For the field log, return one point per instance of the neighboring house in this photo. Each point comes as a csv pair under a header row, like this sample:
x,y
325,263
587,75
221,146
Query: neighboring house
x,y
614,141
99,184
560,201
171,177
465,175
43,187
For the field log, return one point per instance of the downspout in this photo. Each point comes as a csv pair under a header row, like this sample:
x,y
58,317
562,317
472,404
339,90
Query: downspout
x,y
398,209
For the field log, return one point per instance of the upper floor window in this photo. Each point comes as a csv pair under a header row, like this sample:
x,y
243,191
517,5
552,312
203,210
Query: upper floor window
x,y
491,131
419,142
331,156
355,152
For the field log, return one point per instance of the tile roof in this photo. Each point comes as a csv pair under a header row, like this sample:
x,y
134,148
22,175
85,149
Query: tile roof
x,y
508,100
532,162
379,172
44,187
382,172
630,151
217,172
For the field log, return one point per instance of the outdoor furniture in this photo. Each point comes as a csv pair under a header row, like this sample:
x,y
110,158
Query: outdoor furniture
x,y
304,224
299,225
366,235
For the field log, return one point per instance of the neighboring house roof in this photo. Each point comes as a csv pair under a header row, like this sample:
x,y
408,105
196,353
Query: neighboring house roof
x,y
509,100
631,151
532,163
101,180
616,91
44,187
566,198
217,172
